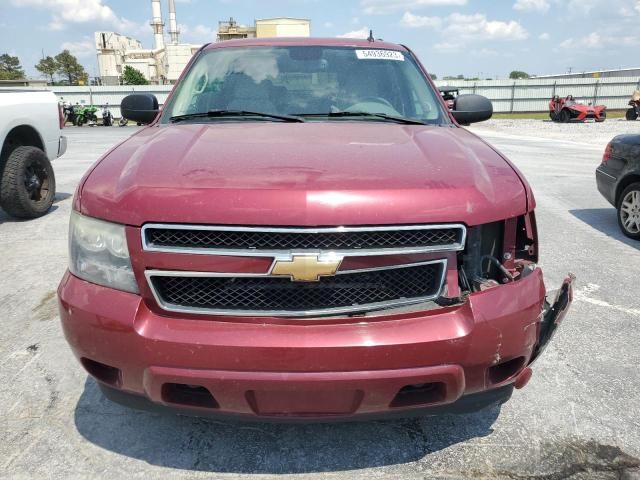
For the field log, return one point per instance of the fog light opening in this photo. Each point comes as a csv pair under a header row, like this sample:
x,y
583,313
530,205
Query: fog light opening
x,y
420,394
104,373
188,395
504,371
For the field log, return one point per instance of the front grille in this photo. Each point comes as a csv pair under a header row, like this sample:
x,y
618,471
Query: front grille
x,y
347,292
217,238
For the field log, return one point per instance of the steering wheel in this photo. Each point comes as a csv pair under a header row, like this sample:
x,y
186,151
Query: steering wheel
x,y
381,100
373,105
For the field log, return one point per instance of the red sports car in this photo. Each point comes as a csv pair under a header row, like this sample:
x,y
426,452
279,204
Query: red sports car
x,y
565,110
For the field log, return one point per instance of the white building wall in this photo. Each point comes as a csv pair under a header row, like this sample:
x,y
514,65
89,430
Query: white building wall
x,y
178,56
283,27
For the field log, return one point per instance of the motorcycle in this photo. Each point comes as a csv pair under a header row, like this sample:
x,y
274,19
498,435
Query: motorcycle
x,y
87,115
107,117
634,112
70,113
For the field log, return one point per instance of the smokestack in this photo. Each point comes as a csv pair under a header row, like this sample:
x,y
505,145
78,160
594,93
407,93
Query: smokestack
x,y
157,24
173,23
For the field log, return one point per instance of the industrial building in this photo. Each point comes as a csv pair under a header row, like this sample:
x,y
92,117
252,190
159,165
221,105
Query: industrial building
x,y
266,27
164,63
161,64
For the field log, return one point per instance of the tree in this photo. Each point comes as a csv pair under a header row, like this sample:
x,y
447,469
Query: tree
x,y
48,67
518,75
434,76
10,68
132,76
69,67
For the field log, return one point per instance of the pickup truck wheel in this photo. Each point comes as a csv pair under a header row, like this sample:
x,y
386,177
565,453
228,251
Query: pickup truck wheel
x,y
629,211
28,184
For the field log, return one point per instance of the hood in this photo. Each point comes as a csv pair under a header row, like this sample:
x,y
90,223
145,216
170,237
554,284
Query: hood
x,y
307,174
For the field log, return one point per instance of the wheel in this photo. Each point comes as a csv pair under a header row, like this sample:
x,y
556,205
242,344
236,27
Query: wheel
x,y
564,116
552,116
603,117
631,114
28,184
629,211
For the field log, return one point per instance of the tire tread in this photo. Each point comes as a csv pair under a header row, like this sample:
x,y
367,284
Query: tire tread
x,y
12,199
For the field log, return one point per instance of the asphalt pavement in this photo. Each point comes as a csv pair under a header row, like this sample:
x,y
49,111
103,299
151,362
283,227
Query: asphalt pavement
x,y
578,418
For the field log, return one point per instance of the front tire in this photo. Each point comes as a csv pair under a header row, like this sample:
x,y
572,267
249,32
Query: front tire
x,y
603,117
28,184
631,114
629,211
564,116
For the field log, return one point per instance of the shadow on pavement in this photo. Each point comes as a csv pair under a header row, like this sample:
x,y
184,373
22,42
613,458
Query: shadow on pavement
x,y
264,448
5,218
604,220
62,196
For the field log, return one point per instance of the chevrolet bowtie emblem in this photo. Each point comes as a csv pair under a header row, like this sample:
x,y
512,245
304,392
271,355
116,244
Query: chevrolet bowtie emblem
x,y
306,268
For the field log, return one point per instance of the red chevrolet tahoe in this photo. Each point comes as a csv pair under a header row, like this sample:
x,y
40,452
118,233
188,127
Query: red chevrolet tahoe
x,y
305,231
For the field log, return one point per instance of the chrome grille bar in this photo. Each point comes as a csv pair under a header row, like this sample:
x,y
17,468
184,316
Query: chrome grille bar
x,y
398,240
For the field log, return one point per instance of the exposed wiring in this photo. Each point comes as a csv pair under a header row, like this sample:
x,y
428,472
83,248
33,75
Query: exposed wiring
x,y
498,265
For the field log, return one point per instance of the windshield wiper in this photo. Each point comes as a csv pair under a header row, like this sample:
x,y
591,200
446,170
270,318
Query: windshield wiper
x,y
235,113
383,116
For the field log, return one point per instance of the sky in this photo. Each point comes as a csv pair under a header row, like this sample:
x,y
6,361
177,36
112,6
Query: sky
x,y
485,38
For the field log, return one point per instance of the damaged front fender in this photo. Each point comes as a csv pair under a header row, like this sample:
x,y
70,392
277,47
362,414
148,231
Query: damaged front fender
x,y
553,315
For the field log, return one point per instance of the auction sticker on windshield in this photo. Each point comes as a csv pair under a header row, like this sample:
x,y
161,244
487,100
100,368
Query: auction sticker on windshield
x,y
380,55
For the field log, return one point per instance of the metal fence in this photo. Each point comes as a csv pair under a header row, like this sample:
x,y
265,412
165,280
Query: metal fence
x,y
533,95
111,95
530,95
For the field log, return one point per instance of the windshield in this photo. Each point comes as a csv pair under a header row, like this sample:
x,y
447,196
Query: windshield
x,y
309,81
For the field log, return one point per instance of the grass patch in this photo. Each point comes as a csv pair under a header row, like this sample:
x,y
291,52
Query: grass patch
x,y
545,115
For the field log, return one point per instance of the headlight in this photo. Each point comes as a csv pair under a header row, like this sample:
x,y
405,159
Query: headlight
x,y
98,253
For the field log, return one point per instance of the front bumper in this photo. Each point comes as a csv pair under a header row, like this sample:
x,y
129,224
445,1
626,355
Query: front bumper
x,y
390,365
62,146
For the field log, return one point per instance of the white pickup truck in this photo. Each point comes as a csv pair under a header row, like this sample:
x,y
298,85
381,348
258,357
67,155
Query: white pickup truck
x,y
31,125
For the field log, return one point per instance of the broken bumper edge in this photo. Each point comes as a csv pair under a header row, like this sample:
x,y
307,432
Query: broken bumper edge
x,y
553,315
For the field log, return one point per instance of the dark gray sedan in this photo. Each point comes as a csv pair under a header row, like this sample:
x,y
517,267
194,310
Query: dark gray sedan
x,y
618,179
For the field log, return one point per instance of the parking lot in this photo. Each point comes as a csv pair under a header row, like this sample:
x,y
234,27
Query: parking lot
x,y
578,418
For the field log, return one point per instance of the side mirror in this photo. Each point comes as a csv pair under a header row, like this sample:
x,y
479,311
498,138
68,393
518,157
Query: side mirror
x,y
469,109
140,108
